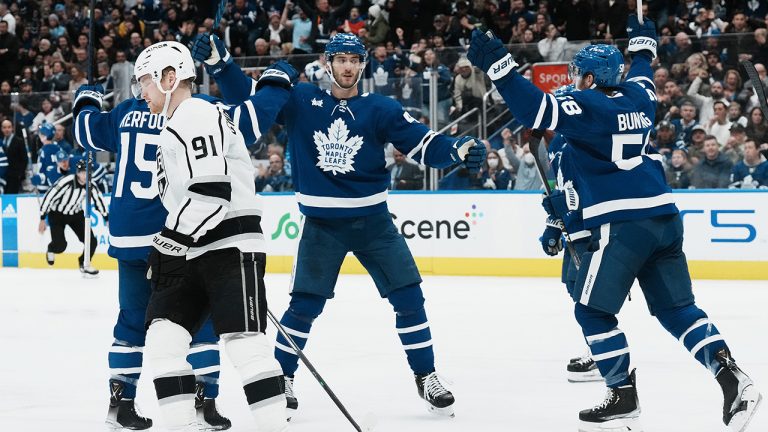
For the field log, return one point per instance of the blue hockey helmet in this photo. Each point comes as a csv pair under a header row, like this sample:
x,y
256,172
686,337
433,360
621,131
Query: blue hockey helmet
x,y
61,155
345,43
47,130
604,62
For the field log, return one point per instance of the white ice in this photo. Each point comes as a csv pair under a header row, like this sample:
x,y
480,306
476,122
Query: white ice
x,y
503,342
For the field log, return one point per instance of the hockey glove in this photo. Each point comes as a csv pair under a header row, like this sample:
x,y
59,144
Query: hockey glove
x,y
280,74
88,95
210,50
168,259
470,151
552,238
487,52
642,37
555,204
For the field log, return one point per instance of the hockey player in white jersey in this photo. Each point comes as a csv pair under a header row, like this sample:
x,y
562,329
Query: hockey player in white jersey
x,y
336,141
209,257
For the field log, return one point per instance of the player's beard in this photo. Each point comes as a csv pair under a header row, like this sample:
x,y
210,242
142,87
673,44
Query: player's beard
x,y
345,82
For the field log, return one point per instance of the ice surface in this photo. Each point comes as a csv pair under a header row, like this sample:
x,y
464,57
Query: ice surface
x,y
503,342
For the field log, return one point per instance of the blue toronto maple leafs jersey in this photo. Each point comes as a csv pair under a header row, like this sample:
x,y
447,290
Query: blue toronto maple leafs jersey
x,y
620,175
565,171
337,146
131,131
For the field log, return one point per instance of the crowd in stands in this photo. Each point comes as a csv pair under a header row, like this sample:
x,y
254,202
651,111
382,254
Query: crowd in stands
x,y
708,124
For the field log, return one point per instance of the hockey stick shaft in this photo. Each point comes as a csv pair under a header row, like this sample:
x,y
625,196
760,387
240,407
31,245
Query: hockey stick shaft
x,y
537,135
639,11
312,369
88,154
219,13
757,84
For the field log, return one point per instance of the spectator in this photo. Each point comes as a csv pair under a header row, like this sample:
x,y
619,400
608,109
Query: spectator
x,y
439,26
696,146
528,50
5,100
55,26
678,171
660,77
713,172
684,125
301,26
121,73
381,68
353,23
16,152
276,33
60,79
135,47
274,178
444,80
734,148
552,48
683,48
576,27
719,126
9,53
705,103
469,87
752,171
447,56
665,138
378,26
78,79
715,66
757,127
527,174
317,73
517,10
325,20
511,152
612,19
761,47
47,114
493,174
404,175
735,114
670,101
732,84
7,16
461,25
60,139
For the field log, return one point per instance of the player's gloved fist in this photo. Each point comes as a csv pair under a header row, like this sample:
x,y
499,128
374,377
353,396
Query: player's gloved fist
x,y
470,151
488,53
555,204
552,238
209,49
280,74
37,179
642,37
88,95
168,259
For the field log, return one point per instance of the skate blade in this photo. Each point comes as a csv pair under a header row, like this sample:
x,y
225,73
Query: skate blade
x,y
740,420
289,413
592,376
442,412
618,425
90,276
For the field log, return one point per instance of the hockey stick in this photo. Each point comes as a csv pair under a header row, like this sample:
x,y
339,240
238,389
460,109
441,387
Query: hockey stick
x,y
639,11
368,425
88,154
757,84
537,135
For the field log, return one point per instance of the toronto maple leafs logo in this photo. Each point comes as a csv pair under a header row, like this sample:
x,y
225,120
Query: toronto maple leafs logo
x,y
336,151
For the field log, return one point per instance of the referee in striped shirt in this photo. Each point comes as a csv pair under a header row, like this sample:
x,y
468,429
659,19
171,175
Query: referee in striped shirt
x,y
63,205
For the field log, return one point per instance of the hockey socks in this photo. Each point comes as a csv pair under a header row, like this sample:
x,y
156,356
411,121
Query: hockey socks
x,y
205,361
607,343
125,366
297,320
413,328
691,326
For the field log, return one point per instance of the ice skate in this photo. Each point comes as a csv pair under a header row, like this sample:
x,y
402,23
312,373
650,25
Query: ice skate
x,y
89,271
439,400
208,416
291,403
122,414
50,257
740,397
619,412
583,369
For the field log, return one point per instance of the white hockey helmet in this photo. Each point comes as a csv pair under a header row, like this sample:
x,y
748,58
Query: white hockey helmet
x,y
155,58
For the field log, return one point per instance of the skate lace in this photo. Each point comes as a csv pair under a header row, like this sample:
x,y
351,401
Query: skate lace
x,y
610,395
584,360
288,388
433,386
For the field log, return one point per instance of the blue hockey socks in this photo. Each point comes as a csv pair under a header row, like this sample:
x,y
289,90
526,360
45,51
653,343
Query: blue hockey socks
x,y
125,366
297,320
692,327
205,359
413,328
607,344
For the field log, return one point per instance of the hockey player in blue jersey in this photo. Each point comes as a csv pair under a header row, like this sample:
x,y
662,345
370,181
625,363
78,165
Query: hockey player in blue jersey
x,y
131,131
636,230
336,141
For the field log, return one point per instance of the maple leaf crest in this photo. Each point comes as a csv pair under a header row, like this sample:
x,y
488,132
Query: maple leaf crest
x,y
336,151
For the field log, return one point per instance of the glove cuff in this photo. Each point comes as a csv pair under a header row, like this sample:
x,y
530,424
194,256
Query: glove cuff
x,y
171,242
642,43
502,67
87,98
274,77
554,223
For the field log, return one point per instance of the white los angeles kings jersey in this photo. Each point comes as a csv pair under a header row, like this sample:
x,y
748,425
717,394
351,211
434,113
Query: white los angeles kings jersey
x,y
205,177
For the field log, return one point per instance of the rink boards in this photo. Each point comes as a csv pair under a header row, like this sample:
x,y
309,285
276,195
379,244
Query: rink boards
x,y
481,233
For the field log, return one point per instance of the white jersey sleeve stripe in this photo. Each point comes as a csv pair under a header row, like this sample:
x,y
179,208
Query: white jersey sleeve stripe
x,y
638,79
254,120
555,112
88,133
627,204
540,114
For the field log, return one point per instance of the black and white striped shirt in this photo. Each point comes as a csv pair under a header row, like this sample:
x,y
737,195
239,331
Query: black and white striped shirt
x,y
66,196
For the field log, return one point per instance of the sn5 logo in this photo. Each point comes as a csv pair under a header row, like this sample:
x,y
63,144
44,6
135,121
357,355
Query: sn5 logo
x,y
728,219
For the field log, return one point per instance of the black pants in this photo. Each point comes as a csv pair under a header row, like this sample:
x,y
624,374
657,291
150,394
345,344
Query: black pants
x,y
13,184
59,221
226,284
